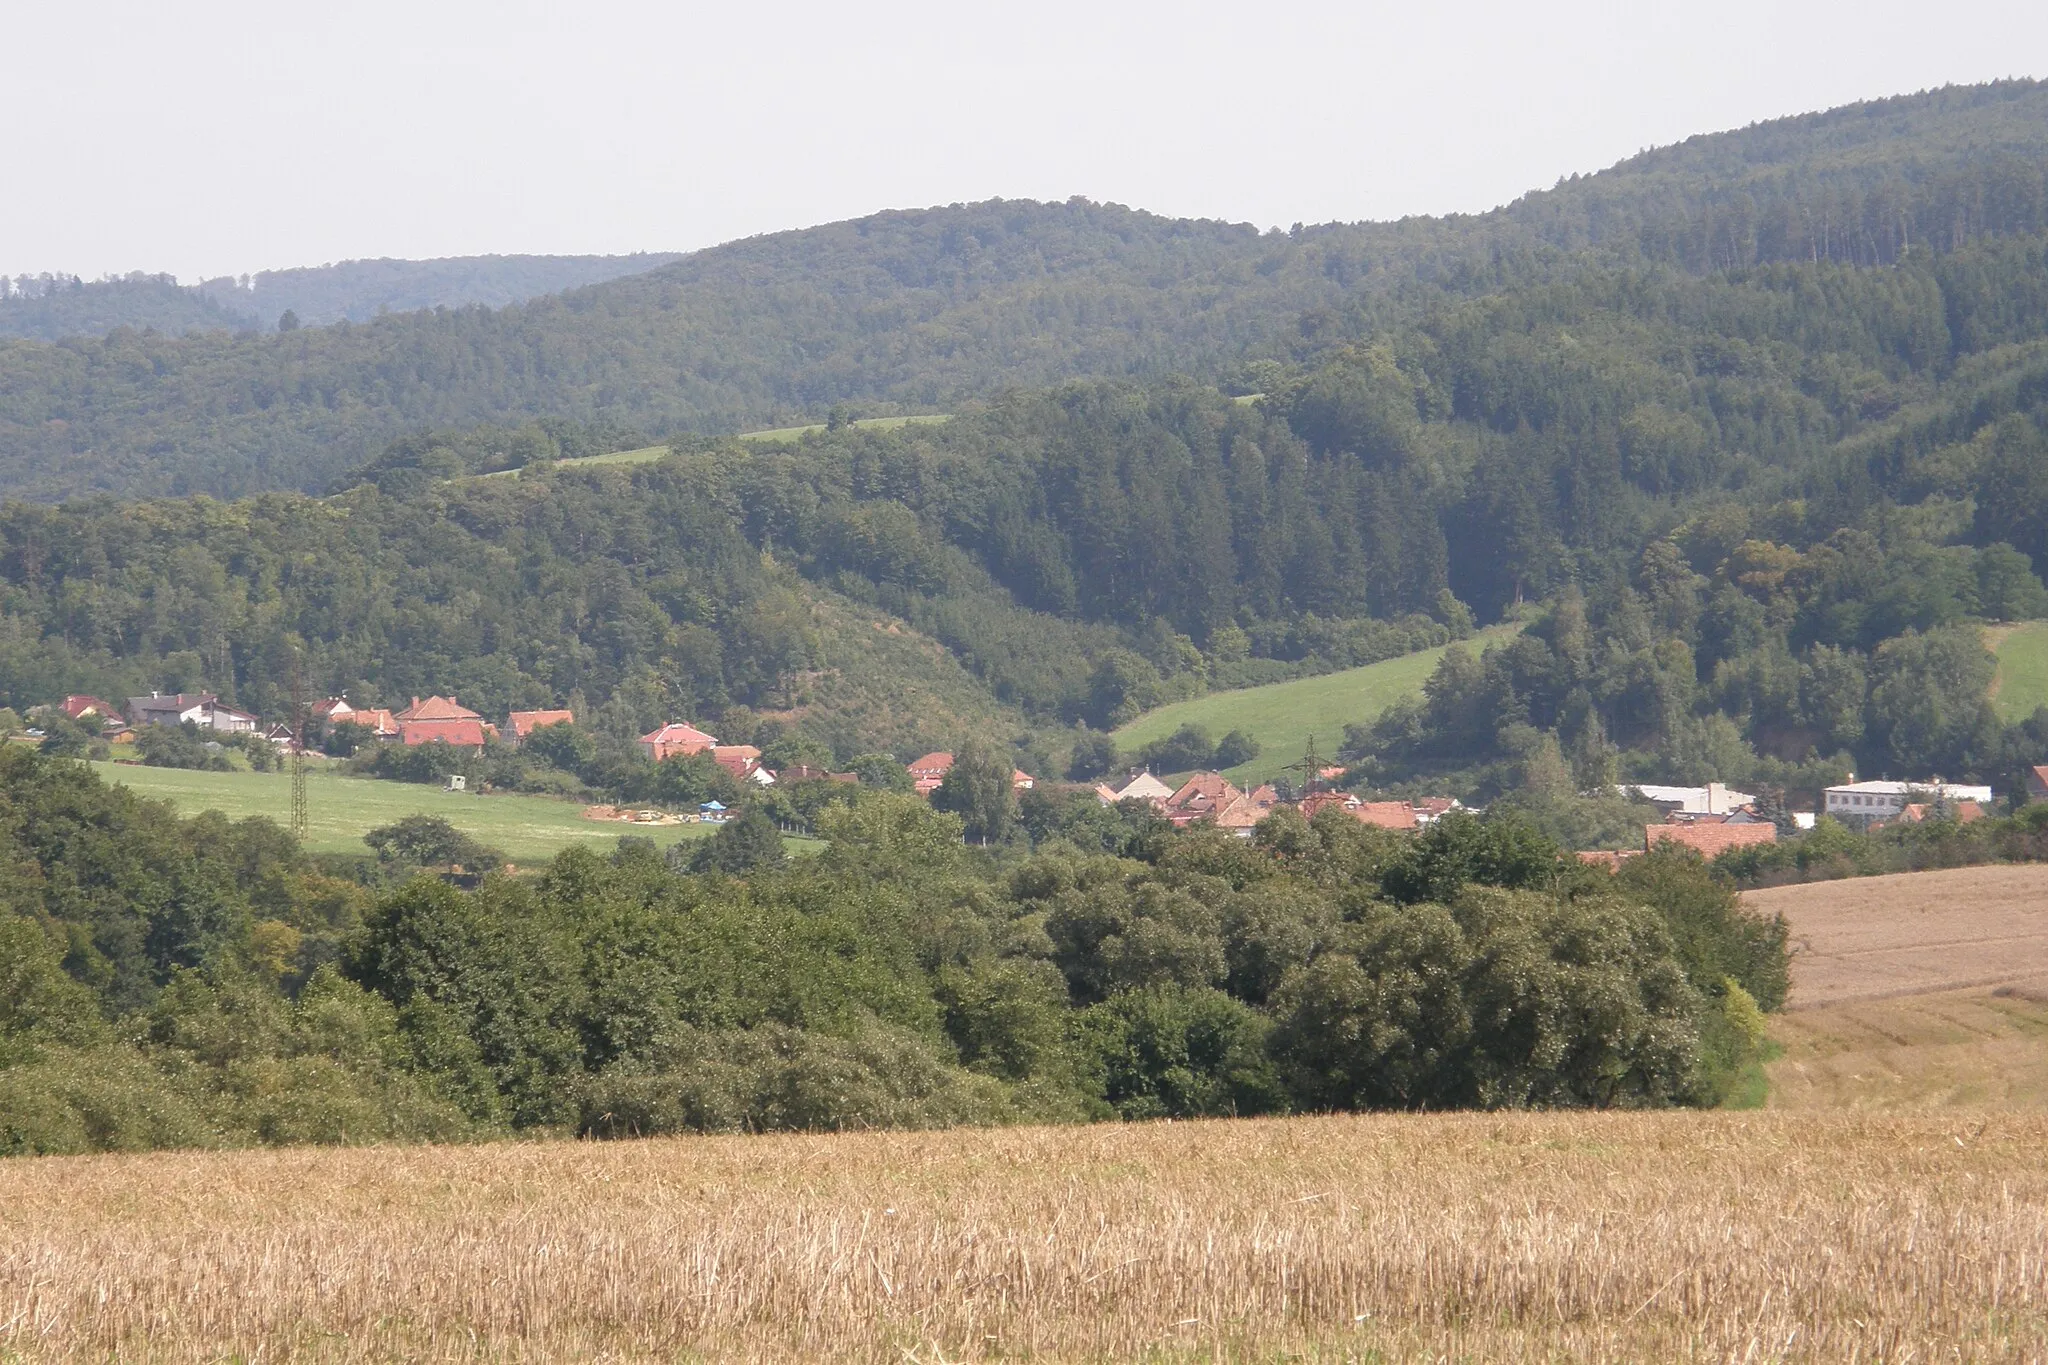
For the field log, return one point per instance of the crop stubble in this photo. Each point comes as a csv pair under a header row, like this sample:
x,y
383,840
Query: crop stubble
x,y
1603,1236
1868,938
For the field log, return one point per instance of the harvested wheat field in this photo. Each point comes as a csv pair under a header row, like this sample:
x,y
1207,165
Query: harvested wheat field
x,y
1869,938
1983,1048
1500,1237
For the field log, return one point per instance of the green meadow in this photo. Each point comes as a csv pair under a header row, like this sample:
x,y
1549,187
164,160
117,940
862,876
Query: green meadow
x,y
341,809
649,454
1282,716
2021,683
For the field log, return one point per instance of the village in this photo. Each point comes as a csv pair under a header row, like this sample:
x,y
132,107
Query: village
x,y
1710,819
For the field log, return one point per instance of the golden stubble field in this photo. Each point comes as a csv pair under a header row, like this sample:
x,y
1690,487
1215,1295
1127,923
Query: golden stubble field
x,y
1870,938
1677,1236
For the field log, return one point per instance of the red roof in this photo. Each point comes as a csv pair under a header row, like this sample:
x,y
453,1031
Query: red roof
x,y
737,759
676,738
437,708
331,706
79,703
463,733
1599,857
1710,840
933,764
524,723
380,721
1201,797
1385,814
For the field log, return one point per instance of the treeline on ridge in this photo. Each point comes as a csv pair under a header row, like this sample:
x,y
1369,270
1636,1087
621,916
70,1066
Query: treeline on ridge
x,y
929,310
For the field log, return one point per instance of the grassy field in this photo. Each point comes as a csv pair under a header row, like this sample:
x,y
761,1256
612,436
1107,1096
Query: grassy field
x,y
873,423
2021,683
649,454
340,810
1282,716
1537,1237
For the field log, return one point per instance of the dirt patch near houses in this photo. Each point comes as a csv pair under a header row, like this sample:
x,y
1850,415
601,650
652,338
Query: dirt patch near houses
x,y
1914,933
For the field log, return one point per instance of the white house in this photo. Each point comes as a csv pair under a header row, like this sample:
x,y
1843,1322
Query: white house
x,y
203,709
1864,803
1712,799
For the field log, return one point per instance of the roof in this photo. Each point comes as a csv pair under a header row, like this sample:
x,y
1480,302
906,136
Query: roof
x,y
1203,794
437,708
220,710
524,723
1144,787
1599,857
2039,772
1712,799
467,733
1917,811
1106,794
934,764
79,703
1710,840
1955,791
1385,814
380,720
678,733
176,702
1249,808
332,706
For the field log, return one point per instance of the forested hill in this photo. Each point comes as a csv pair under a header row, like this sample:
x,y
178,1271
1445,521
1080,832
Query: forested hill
x,y
356,291
929,309
51,308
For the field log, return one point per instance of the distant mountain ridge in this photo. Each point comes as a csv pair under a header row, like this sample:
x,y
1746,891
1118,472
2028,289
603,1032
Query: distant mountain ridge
x,y
356,291
930,309
49,308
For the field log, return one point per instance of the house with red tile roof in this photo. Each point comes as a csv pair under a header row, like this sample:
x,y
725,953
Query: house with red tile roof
x,y
1709,841
377,720
1386,815
520,724
676,738
1608,859
1202,797
1919,812
443,720
78,706
1242,816
928,772
331,711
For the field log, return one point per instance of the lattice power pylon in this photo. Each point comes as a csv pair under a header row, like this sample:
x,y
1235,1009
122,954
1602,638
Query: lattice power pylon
x,y
298,752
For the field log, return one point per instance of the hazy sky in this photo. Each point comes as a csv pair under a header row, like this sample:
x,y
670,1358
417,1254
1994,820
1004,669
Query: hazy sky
x,y
212,138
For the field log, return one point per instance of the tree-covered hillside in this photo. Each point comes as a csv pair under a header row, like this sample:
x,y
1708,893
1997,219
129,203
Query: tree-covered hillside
x,y
929,309
51,308
357,291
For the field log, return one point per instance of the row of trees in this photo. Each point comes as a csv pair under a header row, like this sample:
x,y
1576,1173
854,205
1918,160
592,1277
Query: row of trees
x,y
178,982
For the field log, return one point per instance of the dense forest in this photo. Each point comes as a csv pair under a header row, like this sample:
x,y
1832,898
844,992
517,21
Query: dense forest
x,y
928,310
194,983
51,308
1754,513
